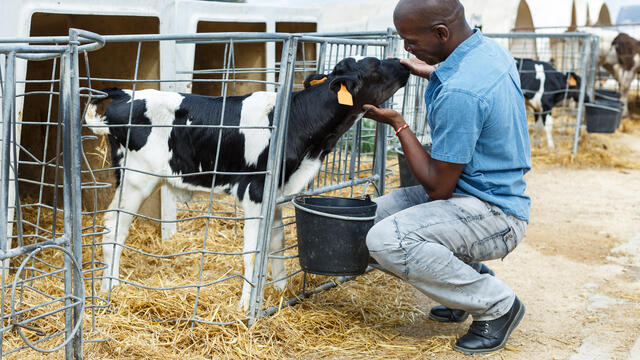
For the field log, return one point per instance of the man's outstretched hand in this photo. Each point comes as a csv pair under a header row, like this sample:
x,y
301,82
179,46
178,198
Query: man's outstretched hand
x,y
387,116
418,67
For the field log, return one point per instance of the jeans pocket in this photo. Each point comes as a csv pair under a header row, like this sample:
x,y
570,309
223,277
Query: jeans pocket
x,y
510,241
496,246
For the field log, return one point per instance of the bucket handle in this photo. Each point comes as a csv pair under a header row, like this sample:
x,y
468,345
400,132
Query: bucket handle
x,y
332,216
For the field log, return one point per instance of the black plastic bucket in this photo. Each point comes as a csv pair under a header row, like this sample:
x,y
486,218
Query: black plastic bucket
x,y
604,94
603,116
332,234
406,177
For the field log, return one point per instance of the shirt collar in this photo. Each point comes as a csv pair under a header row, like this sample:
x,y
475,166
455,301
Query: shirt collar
x,y
450,65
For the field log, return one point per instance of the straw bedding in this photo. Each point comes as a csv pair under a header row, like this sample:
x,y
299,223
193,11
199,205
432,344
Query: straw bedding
x,y
594,150
358,319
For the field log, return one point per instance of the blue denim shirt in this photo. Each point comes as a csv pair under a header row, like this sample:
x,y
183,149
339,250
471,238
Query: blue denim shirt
x,y
476,112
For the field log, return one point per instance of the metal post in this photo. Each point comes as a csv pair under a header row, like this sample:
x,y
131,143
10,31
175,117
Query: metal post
x,y
76,182
591,79
8,96
65,113
380,155
586,48
274,164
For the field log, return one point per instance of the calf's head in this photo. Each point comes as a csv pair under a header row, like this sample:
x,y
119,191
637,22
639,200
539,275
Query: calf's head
x,y
367,81
573,82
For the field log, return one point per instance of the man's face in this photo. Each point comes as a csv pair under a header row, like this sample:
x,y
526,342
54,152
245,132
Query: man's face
x,y
420,41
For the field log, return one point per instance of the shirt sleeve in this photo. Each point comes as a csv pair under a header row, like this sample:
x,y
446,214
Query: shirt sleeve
x,y
457,117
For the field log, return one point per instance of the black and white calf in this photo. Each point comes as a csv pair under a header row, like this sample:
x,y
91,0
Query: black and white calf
x,y
316,122
543,87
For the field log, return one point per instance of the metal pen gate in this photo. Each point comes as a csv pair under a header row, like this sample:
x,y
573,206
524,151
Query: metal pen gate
x,y
358,165
48,182
24,267
574,52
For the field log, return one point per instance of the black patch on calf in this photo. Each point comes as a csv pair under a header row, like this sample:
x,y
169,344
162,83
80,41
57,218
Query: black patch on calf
x,y
193,148
117,113
116,156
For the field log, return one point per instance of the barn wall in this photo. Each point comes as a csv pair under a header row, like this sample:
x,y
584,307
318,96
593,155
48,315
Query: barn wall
x,y
308,53
212,56
116,60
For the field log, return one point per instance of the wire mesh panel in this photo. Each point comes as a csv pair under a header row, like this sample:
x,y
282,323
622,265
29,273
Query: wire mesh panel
x,y
195,146
43,298
351,169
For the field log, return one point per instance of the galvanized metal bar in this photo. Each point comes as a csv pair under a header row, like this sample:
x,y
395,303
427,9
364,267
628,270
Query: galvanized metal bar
x,y
75,125
380,154
585,58
7,115
276,150
65,104
199,37
325,286
591,79
23,250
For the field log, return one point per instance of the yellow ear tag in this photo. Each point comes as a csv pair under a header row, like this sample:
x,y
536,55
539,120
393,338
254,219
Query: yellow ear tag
x,y
316,82
572,81
344,96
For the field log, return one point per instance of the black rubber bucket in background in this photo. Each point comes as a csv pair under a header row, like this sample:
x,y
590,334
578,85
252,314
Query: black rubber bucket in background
x,y
603,116
332,234
610,95
406,177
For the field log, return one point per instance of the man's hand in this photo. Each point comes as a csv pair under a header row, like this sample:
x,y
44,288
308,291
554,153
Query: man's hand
x,y
418,67
387,116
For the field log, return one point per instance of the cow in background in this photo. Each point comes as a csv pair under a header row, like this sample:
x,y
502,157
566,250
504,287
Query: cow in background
x,y
626,66
543,87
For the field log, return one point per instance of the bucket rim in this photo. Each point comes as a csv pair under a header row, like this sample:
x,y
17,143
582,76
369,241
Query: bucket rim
x,y
300,206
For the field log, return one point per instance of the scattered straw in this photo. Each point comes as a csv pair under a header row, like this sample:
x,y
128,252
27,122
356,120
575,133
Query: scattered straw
x,y
358,319
594,150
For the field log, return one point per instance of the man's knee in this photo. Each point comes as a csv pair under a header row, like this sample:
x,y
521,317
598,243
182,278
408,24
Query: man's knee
x,y
382,237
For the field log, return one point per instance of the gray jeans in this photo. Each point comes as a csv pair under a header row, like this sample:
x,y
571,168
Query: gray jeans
x,y
434,244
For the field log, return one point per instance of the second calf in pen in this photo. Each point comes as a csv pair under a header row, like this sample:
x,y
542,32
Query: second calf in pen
x,y
164,137
543,87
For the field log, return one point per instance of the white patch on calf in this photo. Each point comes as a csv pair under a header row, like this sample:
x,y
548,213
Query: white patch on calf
x,y
255,112
300,178
536,101
251,226
548,127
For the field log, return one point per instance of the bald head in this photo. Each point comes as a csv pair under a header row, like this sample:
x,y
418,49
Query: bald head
x,y
430,12
432,29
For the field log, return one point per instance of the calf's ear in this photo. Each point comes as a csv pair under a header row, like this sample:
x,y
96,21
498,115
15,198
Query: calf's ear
x,y
573,79
314,79
345,87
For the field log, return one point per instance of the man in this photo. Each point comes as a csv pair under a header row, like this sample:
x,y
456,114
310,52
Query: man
x,y
471,206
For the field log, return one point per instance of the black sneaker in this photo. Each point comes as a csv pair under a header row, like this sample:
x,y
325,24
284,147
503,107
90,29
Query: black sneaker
x,y
492,335
442,313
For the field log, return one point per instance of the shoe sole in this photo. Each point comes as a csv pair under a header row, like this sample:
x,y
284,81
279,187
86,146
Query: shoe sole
x,y
443,319
515,323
